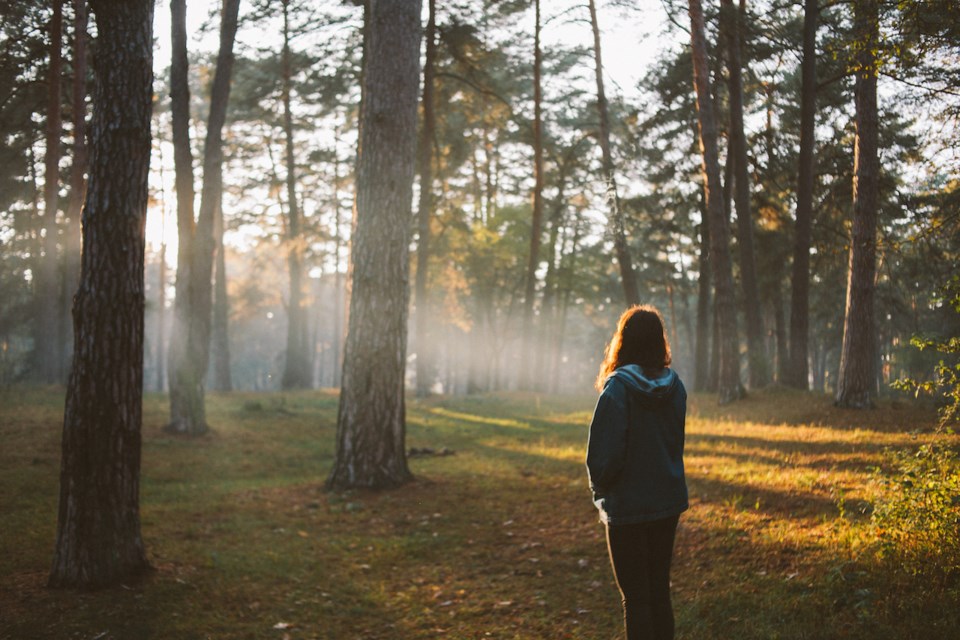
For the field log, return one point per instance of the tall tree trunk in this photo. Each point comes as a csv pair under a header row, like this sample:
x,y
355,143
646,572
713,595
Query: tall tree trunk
x,y
627,276
568,271
797,373
297,372
338,311
425,364
186,389
701,377
78,171
546,355
190,346
98,526
536,223
162,317
759,370
47,338
729,383
856,384
371,421
221,380
780,334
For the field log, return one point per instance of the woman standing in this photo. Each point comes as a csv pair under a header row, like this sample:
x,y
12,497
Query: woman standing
x,y
635,465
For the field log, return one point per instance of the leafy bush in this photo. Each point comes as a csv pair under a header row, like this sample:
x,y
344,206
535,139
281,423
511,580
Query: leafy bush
x,y
917,521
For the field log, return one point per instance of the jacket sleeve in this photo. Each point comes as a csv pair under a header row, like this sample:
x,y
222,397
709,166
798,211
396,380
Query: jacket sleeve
x,y
607,444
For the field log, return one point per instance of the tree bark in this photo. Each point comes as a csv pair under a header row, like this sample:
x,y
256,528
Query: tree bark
x,y
98,526
221,379
186,390
161,318
78,170
371,421
701,377
425,363
757,359
298,369
798,373
627,276
47,346
338,311
536,223
190,346
729,387
856,383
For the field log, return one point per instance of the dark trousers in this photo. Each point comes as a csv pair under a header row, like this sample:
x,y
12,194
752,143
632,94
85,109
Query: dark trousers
x,y
640,555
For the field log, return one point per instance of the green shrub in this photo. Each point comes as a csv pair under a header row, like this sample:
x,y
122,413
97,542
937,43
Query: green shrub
x,y
917,519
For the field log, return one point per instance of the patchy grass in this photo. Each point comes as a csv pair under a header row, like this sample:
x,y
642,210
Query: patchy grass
x,y
499,540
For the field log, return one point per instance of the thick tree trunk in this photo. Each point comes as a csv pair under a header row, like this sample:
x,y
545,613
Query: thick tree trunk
x,y
298,369
757,359
425,364
856,383
371,421
627,277
536,223
78,172
190,346
98,526
729,382
797,373
47,337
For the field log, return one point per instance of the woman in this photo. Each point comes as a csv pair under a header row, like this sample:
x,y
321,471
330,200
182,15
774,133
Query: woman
x,y
635,465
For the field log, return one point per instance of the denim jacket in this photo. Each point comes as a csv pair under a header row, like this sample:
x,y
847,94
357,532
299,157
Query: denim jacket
x,y
635,448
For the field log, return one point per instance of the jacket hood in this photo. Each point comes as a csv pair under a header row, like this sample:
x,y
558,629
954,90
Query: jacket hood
x,y
650,384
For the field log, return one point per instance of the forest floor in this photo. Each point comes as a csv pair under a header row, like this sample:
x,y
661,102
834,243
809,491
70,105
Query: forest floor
x,y
497,540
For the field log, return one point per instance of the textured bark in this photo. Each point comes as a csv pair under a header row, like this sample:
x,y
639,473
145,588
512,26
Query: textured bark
x,y
298,368
425,363
729,387
757,359
78,171
190,346
857,381
797,373
627,277
371,421
98,526
536,223
47,345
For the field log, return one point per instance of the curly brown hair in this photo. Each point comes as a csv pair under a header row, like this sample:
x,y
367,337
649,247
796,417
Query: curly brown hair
x,y
639,339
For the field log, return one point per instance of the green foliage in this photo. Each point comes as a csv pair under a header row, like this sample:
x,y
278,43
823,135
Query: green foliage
x,y
946,373
917,519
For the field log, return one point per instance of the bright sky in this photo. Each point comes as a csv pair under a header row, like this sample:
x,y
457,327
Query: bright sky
x,y
630,42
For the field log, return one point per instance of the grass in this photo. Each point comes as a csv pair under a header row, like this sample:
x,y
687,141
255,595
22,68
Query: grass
x,y
499,540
